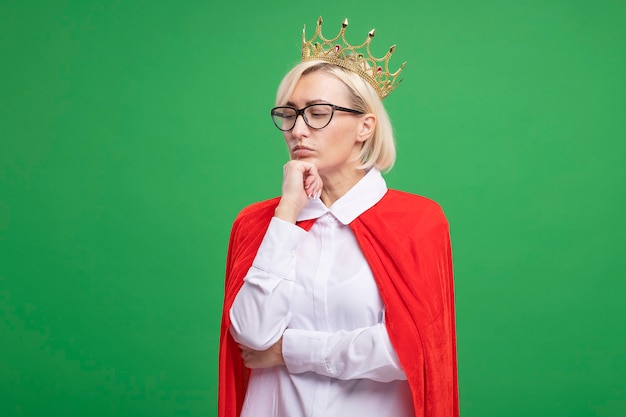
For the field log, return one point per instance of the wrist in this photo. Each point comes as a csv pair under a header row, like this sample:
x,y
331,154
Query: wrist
x,y
280,358
287,212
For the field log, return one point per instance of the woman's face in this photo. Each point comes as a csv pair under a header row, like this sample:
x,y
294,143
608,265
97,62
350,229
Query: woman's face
x,y
335,148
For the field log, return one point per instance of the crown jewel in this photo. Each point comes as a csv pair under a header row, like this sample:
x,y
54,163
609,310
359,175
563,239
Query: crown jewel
x,y
357,59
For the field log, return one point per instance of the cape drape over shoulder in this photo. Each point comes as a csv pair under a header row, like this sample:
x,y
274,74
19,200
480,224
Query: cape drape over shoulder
x,y
405,239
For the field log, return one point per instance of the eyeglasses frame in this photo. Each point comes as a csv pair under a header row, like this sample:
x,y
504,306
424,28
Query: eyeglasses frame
x,y
300,112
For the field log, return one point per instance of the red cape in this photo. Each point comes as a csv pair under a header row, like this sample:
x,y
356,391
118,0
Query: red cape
x,y
405,239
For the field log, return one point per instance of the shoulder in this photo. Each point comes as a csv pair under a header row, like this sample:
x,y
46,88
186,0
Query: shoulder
x,y
259,212
402,202
401,210
255,216
404,220
260,208
398,196
251,223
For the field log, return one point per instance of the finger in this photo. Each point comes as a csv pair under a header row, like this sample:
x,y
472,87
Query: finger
x,y
312,169
309,181
316,188
311,174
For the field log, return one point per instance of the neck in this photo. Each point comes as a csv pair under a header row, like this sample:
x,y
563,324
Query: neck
x,y
337,185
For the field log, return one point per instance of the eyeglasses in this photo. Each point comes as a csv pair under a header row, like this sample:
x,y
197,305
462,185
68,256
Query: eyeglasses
x,y
316,116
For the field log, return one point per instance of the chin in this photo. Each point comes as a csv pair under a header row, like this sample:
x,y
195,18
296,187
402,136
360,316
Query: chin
x,y
303,158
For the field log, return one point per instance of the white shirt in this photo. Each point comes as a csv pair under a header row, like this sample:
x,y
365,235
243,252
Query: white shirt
x,y
316,290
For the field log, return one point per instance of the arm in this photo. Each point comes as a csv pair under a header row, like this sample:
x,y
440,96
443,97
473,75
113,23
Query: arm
x,y
364,353
260,312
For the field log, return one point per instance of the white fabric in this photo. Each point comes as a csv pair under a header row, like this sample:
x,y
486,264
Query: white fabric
x,y
316,290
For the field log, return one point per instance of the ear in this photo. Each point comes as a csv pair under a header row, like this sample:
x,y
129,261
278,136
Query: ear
x,y
367,126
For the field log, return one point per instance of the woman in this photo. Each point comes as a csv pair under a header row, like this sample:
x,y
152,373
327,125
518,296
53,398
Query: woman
x,y
339,294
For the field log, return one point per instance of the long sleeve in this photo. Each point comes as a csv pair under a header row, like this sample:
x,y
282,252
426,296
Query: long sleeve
x,y
357,354
260,313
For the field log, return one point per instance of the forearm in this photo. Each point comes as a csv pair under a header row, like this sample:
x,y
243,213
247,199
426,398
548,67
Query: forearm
x,y
358,354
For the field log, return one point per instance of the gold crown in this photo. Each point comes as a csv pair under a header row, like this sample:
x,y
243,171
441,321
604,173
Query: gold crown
x,y
373,70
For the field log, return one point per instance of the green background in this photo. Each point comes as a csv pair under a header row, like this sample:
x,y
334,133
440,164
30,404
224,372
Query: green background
x,y
132,132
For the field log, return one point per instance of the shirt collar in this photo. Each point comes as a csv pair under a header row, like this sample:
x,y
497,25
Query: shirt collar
x,y
361,197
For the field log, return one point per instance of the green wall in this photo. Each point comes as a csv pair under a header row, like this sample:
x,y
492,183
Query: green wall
x,y
132,132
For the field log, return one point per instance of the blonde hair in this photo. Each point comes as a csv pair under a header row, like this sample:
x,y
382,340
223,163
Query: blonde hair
x,y
379,150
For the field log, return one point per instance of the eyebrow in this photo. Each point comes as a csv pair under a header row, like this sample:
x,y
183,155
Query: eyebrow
x,y
308,103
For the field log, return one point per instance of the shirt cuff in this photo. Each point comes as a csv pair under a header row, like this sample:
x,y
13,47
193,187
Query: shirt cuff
x,y
277,252
303,351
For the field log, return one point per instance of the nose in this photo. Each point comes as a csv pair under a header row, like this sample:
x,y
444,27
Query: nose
x,y
300,128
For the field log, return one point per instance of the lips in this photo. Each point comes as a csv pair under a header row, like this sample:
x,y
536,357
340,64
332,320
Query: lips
x,y
300,147
301,151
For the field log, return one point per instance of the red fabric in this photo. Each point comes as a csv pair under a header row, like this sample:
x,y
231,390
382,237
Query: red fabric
x,y
405,239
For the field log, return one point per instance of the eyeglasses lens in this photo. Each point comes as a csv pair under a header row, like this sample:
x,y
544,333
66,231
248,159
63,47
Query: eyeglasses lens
x,y
318,115
315,116
284,117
